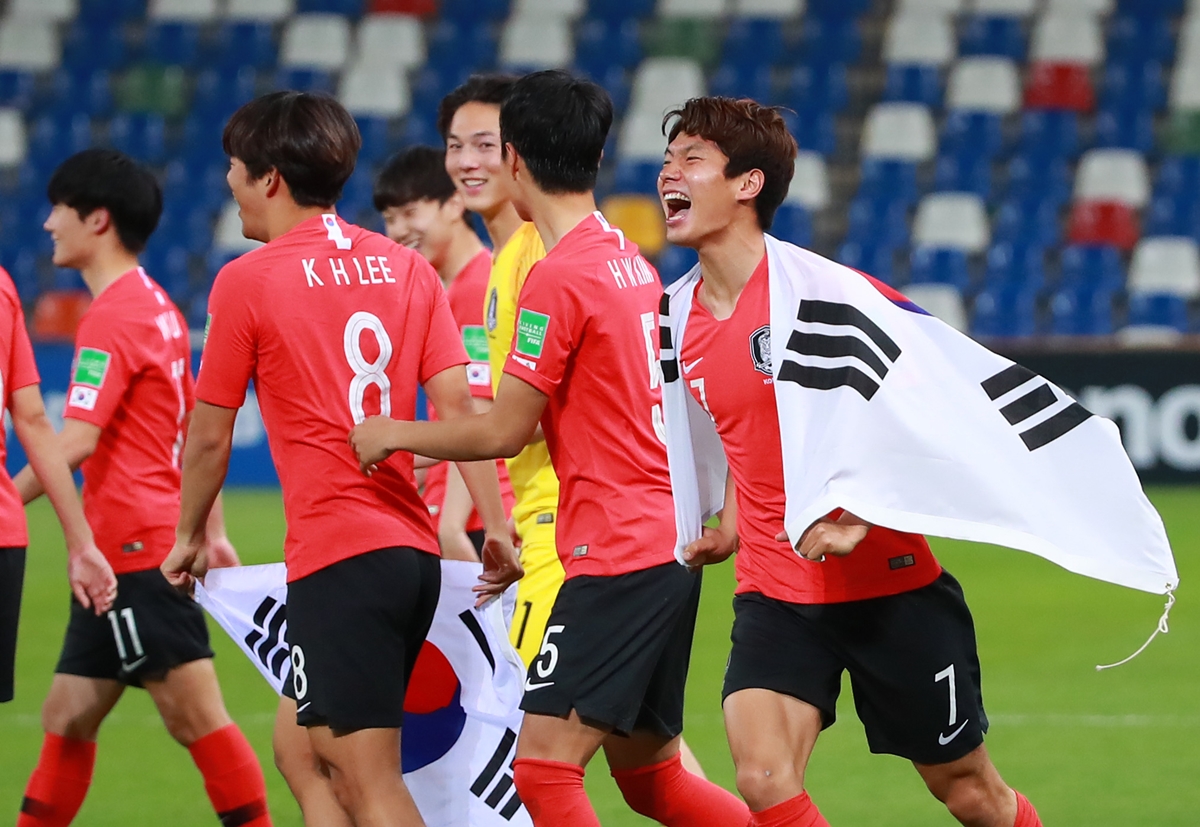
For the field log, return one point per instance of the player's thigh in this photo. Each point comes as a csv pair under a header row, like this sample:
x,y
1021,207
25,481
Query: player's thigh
x,y
914,669
363,758
771,735
189,700
568,739
640,748
536,591
12,579
76,706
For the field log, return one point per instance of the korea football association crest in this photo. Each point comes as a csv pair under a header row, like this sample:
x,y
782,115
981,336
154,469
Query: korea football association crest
x,y
760,349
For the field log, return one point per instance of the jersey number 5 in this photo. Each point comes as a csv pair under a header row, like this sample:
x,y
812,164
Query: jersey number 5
x,y
367,373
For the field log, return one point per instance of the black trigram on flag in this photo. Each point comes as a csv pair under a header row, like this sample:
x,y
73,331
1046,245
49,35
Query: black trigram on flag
x,y
266,640
1038,397
670,367
850,334
503,795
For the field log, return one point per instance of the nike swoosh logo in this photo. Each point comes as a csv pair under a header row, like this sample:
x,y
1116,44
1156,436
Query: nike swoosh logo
x,y
945,739
302,708
129,667
529,687
688,368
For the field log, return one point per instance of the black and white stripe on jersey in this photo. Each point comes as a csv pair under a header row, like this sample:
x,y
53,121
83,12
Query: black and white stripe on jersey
x,y
837,346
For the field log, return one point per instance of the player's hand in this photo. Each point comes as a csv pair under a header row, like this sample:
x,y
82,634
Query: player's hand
x,y
92,579
714,546
185,563
371,441
456,545
837,537
501,568
220,553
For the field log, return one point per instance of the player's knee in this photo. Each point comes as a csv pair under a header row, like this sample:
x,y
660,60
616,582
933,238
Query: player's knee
x,y
70,722
969,798
765,784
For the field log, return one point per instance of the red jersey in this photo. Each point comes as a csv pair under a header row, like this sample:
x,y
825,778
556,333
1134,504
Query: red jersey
x,y
334,324
727,367
466,294
587,337
132,379
17,370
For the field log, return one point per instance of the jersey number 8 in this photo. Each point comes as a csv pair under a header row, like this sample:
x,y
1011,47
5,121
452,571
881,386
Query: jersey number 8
x,y
368,373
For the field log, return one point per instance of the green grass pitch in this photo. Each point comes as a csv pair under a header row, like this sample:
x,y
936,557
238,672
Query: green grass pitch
x,y
1114,748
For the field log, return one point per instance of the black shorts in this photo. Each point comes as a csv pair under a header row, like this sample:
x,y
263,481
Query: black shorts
x,y
151,629
12,578
616,650
355,629
912,660
477,537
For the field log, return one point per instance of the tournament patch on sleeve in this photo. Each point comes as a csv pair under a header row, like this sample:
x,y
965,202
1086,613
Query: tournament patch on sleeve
x,y
531,333
475,341
91,366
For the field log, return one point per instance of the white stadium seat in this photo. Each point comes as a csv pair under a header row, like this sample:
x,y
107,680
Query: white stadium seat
x,y
692,8
776,9
375,92
12,138
662,83
183,11
564,9
936,6
1004,8
259,11
1067,37
59,11
920,37
1113,175
940,300
228,236
1166,264
810,183
390,41
984,84
1185,83
316,41
901,131
537,43
1148,336
641,137
952,219
1094,7
29,44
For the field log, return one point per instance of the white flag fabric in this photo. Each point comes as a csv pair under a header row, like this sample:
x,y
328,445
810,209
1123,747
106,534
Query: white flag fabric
x,y
462,711
893,415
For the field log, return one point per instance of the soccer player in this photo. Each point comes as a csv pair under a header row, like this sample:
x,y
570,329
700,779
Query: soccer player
x,y
333,323
125,423
614,657
422,210
469,122
92,580
865,599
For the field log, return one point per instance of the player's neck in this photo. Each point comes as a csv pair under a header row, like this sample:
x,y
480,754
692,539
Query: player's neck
x,y
283,218
556,215
464,246
502,224
105,267
726,264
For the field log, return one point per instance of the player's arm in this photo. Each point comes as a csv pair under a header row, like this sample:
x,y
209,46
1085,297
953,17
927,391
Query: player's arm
x,y
76,442
205,462
717,543
91,577
218,550
837,537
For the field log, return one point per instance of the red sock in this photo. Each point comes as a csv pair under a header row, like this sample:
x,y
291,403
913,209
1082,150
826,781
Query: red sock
x,y
552,792
795,812
59,783
1026,815
669,794
233,778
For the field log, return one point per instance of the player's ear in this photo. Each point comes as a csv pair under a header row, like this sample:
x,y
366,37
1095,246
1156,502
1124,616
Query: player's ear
x,y
512,160
98,221
272,181
750,185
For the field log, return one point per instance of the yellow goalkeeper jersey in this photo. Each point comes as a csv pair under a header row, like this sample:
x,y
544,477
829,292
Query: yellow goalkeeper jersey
x,y
533,479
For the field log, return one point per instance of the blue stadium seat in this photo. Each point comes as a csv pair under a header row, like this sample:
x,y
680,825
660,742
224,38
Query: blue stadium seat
x,y
108,11
448,43
956,173
1016,263
197,310
636,177
752,42
1081,313
1138,38
24,269
74,91
140,135
888,181
357,195
793,223
429,85
305,80
172,43
878,222
1179,178
1169,216
1091,266
1126,130
1133,88
64,279
735,80
93,46
1040,177
836,9
616,10
813,130
219,92
1028,220
202,141
973,134
169,265
828,40
940,265
1152,8
1049,133
469,12
917,83
52,139
818,89
377,142
986,35
873,259
419,127
674,262
245,43
1163,309
1005,312
349,8
16,88
600,44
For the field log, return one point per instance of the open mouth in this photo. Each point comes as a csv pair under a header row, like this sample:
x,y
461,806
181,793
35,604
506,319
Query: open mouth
x,y
676,205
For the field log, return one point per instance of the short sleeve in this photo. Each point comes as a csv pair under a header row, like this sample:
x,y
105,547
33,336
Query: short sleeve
x,y
100,375
230,342
548,327
443,347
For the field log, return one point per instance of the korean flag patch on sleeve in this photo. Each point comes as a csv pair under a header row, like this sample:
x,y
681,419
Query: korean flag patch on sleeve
x,y
91,367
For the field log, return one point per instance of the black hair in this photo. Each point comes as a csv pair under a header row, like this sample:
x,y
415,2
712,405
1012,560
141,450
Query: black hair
x,y
558,124
415,174
490,88
309,139
106,179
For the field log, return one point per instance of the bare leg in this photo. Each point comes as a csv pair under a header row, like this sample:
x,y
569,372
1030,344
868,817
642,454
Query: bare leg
x,y
972,790
771,737
365,769
306,775
76,706
189,700
690,762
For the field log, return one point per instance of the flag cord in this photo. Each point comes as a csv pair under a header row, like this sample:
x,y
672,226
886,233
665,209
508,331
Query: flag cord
x,y
1162,627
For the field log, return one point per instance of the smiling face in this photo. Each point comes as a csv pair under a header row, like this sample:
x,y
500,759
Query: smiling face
x,y
697,199
426,226
473,157
74,237
251,198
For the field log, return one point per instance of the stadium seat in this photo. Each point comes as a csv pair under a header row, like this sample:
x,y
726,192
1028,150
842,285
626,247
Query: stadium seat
x,y
832,39
541,42
53,140
345,8
1060,85
1007,8
633,175
977,134
661,83
733,80
1133,88
1091,267
888,181
191,11
1185,84
315,41
1113,175
901,131
695,38
810,183
447,42
140,135
945,7
105,11
710,9
998,36
57,11
984,84
1166,310
952,219
16,88
1048,134
261,11
818,88
613,10
228,238
1167,215
13,145
641,138
1081,313
919,37
914,83
675,262
1166,265
641,219
1067,37
417,8
1004,312
1103,222
963,173
29,44
943,301
774,9
753,42
1016,263
1126,130
1179,178
245,43
814,131
1094,8
390,41
836,9
878,223
1183,135
793,223
1162,8
57,313
172,42
600,44
375,91
868,257
939,265
1028,219
559,9
1134,39
305,80
152,88
473,11
94,48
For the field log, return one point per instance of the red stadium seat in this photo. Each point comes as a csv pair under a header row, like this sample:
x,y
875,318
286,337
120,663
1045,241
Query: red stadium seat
x,y
1060,86
57,313
1104,222
420,8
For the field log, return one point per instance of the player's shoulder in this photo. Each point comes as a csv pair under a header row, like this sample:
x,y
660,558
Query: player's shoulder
x,y
8,290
